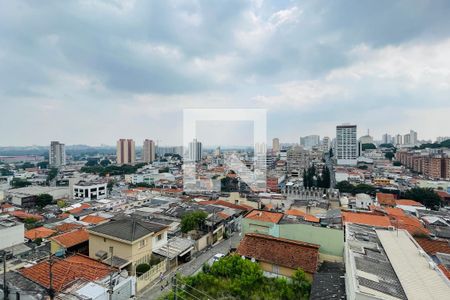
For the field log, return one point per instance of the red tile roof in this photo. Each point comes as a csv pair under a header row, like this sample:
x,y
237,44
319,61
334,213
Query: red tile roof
x,y
431,246
264,216
94,219
80,208
279,251
408,202
66,271
385,199
39,232
72,238
65,227
445,271
20,214
409,223
226,204
365,219
299,213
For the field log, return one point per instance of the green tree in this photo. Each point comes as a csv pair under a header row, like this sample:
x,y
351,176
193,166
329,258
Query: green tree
x,y
426,196
105,162
345,187
52,173
42,164
27,165
389,155
396,163
19,183
192,220
325,179
91,162
6,172
368,146
142,268
43,200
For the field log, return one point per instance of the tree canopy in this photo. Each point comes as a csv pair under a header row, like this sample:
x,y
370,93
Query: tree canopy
x,y
426,196
389,155
19,183
368,146
233,277
347,187
43,200
192,220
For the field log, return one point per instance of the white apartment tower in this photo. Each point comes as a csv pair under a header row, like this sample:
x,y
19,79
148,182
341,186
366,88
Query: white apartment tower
x,y
125,152
346,144
326,144
310,141
57,154
275,145
195,151
148,151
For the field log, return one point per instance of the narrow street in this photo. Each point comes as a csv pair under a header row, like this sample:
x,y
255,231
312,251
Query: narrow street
x,y
154,291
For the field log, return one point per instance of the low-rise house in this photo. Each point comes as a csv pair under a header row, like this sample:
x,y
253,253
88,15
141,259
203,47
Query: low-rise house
x,y
131,240
76,241
385,199
278,256
94,220
39,233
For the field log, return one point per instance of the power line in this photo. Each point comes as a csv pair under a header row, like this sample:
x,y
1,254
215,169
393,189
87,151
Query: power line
x,y
205,294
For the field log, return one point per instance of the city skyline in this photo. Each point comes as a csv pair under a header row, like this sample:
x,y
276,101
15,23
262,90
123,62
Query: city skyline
x,y
71,78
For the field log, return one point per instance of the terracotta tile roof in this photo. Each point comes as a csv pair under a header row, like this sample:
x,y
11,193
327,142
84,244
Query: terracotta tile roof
x,y
366,219
94,219
223,215
66,271
408,202
79,209
20,214
431,246
443,194
279,251
39,232
226,204
63,216
445,271
65,227
409,223
264,216
72,238
299,213
385,199
394,211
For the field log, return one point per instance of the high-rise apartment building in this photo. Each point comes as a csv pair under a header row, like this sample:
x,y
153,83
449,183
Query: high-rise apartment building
x,y
386,139
310,141
148,151
326,144
125,152
398,140
410,138
346,144
57,154
275,145
195,151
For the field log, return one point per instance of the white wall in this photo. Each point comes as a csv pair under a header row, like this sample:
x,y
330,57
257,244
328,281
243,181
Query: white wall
x,y
11,236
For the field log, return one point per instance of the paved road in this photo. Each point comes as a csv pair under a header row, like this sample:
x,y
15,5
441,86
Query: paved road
x,y
154,291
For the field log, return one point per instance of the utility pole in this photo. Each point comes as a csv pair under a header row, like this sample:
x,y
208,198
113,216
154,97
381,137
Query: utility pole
x,y
5,287
111,288
51,292
174,282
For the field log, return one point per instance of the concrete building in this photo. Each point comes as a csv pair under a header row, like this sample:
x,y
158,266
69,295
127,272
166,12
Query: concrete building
x,y
326,144
132,241
195,151
85,190
297,161
11,234
398,140
148,151
410,139
310,141
57,154
275,145
346,144
125,152
386,138
26,197
390,264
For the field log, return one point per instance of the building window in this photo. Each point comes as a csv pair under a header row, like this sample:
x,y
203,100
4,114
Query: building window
x,y
159,237
142,243
275,269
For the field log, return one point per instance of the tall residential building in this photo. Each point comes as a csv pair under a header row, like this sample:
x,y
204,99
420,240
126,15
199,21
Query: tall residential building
x,y
326,144
398,139
125,152
195,151
410,138
148,151
386,139
275,145
57,154
310,141
441,139
346,144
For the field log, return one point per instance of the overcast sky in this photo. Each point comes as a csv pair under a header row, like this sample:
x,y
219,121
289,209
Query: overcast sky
x,y
90,72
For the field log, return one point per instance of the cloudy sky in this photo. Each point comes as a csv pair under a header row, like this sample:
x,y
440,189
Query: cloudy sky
x,y
90,72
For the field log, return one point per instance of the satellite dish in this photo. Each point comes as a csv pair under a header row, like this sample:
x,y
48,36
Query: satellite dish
x,y
253,259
